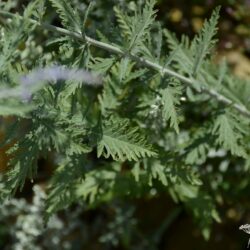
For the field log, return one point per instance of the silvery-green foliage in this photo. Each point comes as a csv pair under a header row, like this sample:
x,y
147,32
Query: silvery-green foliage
x,y
26,228
121,228
162,109
28,223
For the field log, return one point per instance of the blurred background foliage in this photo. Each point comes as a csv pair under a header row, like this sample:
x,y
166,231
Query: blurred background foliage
x,y
152,222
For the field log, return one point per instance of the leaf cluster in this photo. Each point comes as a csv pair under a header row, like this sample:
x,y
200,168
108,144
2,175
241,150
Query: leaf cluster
x,y
143,129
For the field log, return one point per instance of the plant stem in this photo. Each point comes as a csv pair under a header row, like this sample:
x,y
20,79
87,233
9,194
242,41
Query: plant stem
x,y
147,63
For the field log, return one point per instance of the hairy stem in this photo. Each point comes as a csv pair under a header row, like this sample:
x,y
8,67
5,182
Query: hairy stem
x,y
147,63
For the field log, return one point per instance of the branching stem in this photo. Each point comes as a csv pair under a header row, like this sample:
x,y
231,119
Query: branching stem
x,y
147,63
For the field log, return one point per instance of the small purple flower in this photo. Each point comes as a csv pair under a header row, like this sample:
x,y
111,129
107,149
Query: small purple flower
x,y
35,80
54,74
57,73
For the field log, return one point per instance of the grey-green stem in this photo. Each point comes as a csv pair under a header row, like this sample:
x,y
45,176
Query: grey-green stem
x,y
147,63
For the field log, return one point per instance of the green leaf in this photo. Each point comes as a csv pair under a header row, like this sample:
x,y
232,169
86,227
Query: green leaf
x,y
135,29
62,189
142,23
158,172
69,16
197,151
97,184
170,99
228,132
86,15
180,52
102,65
123,22
24,164
122,142
136,171
204,42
